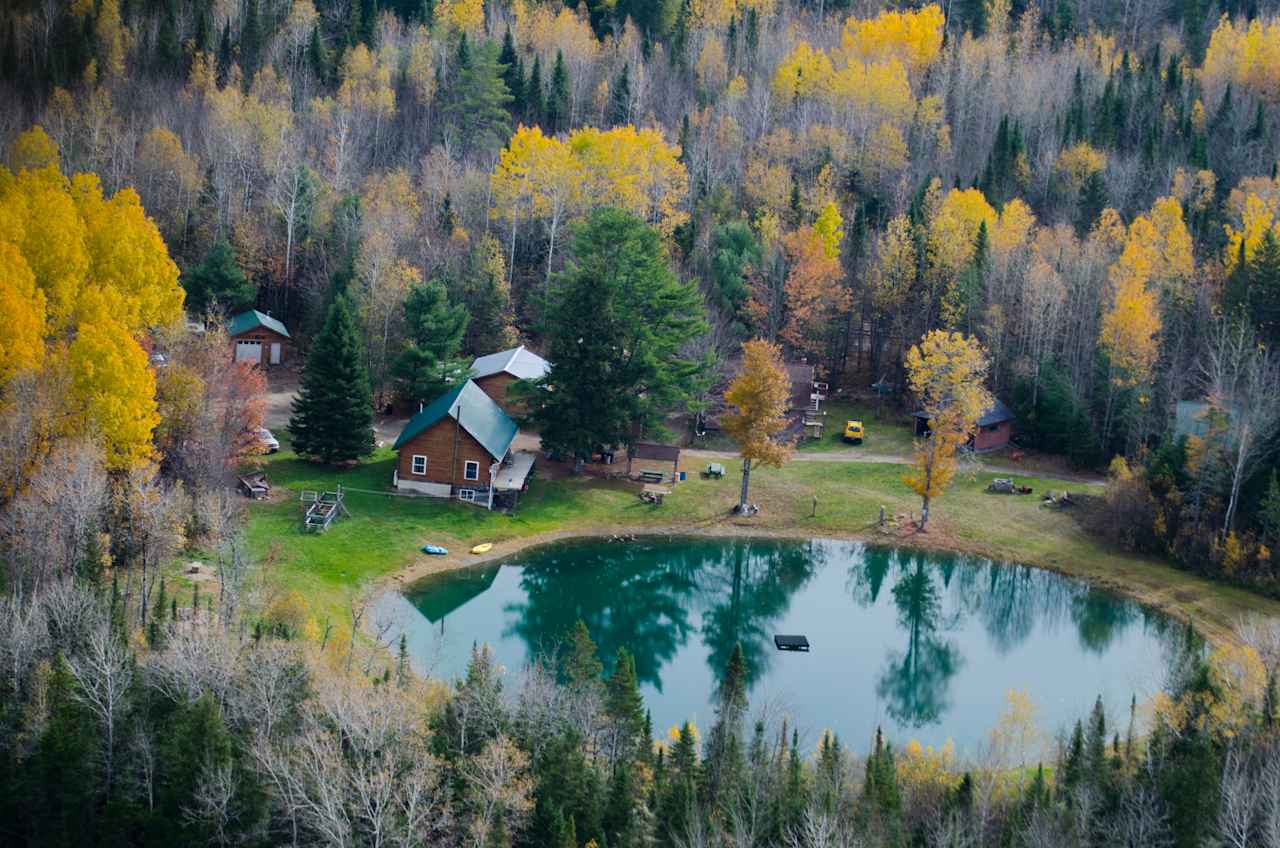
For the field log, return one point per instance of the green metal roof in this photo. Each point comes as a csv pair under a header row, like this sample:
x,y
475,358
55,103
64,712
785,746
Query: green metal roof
x,y
246,321
475,411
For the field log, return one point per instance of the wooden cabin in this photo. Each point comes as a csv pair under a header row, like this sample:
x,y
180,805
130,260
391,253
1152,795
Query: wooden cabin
x,y
495,372
460,446
258,338
992,432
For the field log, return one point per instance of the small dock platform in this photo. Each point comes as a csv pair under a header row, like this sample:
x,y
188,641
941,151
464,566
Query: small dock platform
x,y
790,643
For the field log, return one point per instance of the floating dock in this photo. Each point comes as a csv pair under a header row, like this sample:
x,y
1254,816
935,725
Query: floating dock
x,y
790,643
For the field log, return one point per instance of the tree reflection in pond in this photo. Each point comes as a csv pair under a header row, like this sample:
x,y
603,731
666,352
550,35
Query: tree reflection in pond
x,y
924,645
915,680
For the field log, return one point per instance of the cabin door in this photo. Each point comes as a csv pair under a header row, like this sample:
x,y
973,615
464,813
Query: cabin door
x,y
275,353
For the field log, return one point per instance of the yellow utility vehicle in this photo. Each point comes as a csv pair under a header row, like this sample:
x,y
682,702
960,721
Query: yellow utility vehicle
x,y
853,432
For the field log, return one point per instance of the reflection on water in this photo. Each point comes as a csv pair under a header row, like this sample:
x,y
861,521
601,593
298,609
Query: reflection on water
x,y
924,644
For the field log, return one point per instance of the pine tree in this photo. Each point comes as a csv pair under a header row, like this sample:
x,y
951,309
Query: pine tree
x,y
624,705
333,412
429,363
581,666
218,282
620,98
1264,288
226,56
402,662
512,72
535,106
318,56
557,108
724,760
157,630
168,52
1093,199
251,38
478,99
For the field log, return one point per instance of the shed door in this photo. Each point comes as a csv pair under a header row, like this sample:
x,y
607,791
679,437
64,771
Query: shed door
x,y
249,351
275,353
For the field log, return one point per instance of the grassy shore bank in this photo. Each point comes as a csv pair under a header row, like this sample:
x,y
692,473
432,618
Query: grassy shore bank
x,y
380,542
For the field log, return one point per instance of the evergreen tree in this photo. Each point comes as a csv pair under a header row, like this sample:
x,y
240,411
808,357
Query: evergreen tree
x,y
218,282
1264,289
724,760
429,363
581,667
226,55
629,372
624,706
251,40
535,105
488,299
557,108
63,771
168,52
1093,199
318,57
478,99
512,73
333,412
620,98
203,41
157,629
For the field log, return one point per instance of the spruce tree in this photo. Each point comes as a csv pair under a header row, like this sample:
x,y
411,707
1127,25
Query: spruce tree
x,y
226,56
535,105
1264,288
1093,199
512,72
478,99
620,98
429,363
624,705
318,56
251,38
156,628
218,282
557,108
332,417
581,666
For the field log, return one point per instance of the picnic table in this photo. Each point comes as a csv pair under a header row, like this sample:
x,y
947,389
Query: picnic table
x,y
715,470
651,476
654,494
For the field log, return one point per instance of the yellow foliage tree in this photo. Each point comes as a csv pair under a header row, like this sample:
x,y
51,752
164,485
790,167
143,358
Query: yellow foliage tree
x,y
22,327
33,150
830,226
1247,56
113,390
912,37
947,373
954,227
759,397
1078,162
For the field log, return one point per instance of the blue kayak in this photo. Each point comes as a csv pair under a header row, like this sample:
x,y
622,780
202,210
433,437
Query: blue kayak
x,y
434,549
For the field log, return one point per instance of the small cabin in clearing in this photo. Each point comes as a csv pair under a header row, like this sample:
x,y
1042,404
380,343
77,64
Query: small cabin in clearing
x,y
992,432
258,338
495,372
460,446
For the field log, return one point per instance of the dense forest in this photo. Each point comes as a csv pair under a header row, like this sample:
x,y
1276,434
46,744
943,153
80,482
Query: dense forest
x,y
1086,190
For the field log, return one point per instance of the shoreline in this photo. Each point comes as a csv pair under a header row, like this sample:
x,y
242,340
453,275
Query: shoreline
x,y
1167,600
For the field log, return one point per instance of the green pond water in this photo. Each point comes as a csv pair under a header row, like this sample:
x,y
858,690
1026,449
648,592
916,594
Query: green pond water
x,y
924,645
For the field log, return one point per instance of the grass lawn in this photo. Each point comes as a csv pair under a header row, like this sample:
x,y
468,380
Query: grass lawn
x,y
886,433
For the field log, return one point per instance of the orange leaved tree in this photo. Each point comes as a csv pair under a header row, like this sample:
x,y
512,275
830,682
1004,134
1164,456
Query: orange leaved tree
x,y
759,396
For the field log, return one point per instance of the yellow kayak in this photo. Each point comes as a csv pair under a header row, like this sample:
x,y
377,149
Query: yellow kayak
x,y
481,548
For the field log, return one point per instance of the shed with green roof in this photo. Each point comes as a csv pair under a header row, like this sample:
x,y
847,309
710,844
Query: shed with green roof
x,y
258,338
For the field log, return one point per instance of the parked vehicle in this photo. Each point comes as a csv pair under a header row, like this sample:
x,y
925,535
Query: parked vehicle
x,y
270,444
853,432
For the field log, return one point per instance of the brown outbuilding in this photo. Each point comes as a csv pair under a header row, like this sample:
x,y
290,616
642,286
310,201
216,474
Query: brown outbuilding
x,y
258,338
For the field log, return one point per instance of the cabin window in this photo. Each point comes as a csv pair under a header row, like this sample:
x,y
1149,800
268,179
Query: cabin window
x,y
470,470
467,495
419,464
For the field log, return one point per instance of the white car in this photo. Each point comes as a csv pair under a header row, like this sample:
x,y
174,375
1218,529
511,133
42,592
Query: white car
x,y
270,444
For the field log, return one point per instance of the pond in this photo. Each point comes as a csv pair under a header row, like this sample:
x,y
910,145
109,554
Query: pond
x,y
924,645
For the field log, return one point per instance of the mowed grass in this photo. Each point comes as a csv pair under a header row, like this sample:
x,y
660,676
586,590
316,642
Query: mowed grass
x,y
385,532
888,431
